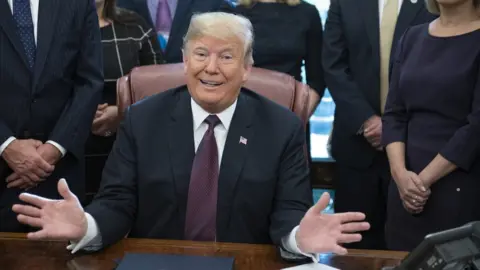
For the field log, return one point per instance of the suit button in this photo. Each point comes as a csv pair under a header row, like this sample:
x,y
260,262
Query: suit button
x,y
34,101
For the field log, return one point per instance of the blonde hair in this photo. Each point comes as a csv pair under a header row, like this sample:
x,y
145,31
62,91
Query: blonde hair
x,y
222,25
249,3
432,6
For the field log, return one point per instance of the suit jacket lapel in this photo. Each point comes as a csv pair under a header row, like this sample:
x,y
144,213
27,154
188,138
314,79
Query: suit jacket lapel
x,y
408,12
183,6
9,27
47,13
369,11
233,160
181,149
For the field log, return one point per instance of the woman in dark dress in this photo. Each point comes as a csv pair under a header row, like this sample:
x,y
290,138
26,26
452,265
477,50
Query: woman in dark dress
x,y
127,42
288,33
431,126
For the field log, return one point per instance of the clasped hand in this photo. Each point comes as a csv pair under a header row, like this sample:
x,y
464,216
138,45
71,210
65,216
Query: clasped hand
x,y
31,161
413,191
373,132
105,121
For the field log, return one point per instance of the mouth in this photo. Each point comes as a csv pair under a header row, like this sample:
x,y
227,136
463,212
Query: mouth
x,y
210,83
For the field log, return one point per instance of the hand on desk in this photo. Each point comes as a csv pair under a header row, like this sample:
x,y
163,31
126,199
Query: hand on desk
x,y
27,160
59,219
322,233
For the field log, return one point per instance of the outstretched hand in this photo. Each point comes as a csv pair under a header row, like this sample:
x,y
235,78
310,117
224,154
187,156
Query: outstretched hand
x,y
58,219
323,233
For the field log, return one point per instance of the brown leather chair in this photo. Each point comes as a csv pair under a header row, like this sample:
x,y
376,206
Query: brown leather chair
x,y
148,80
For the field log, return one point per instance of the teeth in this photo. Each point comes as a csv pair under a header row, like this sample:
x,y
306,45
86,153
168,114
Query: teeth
x,y
210,83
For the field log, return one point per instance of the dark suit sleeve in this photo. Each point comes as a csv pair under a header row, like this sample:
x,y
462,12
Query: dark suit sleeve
x,y
293,195
114,206
464,147
395,118
73,126
313,58
353,108
5,132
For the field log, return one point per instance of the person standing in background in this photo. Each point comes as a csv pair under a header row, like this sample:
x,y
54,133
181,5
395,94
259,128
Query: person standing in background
x,y
51,77
431,125
358,40
128,41
288,33
170,18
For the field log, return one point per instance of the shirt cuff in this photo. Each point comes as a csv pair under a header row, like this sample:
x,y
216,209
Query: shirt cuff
x,y
6,144
59,147
290,244
92,241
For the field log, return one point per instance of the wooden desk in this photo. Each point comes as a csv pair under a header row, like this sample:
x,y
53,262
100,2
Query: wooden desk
x,y
18,253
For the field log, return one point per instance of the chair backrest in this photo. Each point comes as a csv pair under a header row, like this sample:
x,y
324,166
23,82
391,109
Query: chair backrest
x,y
149,80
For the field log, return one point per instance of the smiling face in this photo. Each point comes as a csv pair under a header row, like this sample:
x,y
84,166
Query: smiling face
x,y
215,70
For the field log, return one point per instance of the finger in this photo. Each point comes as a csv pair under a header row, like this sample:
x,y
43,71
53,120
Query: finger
x,y
319,206
13,177
99,120
350,217
32,177
412,207
339,250
32,221
26,210
35,143
38,235
98,114
35,200
354,227
349,238
41,174
16,183
44,165
64,190
418,182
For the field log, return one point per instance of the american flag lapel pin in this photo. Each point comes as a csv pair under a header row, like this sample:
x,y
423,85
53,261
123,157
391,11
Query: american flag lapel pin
x,y
243,140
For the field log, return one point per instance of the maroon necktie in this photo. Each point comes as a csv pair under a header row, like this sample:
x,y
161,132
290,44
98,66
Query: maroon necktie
x,y
201,215
164,18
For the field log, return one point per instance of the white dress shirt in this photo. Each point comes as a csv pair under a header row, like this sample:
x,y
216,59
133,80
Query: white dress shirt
x,y
381,3
34,8
92,240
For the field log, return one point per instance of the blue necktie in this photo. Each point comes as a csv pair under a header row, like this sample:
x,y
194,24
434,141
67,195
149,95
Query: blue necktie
x,y
23,17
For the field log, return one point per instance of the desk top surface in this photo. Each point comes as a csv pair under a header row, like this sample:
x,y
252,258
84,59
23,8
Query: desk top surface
x,y
18,253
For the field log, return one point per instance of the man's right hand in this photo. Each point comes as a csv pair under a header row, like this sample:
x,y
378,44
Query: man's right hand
x,y
372,131
58,219
22,157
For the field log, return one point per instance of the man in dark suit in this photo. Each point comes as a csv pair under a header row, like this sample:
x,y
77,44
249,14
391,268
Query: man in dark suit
x,y
358,40
51,78
171,19
209,161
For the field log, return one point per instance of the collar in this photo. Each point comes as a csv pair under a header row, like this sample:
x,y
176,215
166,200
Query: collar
x,y
199,114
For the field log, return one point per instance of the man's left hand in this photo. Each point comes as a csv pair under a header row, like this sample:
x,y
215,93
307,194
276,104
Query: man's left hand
x,y
324,233
49,153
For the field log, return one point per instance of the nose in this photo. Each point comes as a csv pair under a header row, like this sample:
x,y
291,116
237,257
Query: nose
x,y
212,65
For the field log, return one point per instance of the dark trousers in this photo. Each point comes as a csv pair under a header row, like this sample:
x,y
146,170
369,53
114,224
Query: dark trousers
x,y
364,190
8,219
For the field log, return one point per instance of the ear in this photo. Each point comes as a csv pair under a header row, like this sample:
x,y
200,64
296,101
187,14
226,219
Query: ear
x,y
246,74
185,60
